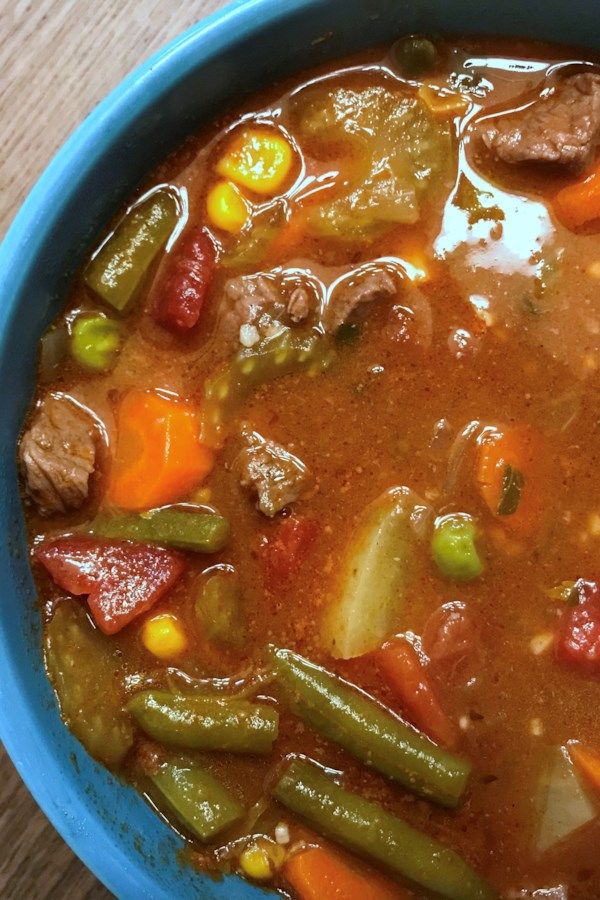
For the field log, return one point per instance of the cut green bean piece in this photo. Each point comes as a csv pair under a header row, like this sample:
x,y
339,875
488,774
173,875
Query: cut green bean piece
x,y
119,267
200,802
370,831
281,354
83,666
197,722
197,531
219,609
342,713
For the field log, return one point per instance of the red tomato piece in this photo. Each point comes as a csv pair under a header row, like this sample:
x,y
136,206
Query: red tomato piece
x,y
577,641
187,282
285,551
122,579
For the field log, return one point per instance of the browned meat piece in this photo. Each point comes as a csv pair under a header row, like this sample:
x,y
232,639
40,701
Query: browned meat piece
x,y
376,283
290,295
280,294
57,455
247,297
411,320
563,127
272,472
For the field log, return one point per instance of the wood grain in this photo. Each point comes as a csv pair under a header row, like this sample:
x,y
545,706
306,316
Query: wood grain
x,y
58,59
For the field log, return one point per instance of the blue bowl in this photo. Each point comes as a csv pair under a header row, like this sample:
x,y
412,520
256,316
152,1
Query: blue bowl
x,y
243,47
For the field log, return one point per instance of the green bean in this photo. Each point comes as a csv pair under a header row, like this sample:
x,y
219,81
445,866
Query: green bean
x,y
370,831
83,666
219,610
198,531
453,547
119,267
197,722
349,717
281,354
200,802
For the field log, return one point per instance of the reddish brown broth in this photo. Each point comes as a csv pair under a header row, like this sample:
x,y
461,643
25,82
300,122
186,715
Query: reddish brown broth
x,y
368,424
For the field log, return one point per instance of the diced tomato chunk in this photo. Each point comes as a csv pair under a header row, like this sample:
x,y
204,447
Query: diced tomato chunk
x,y
577,640
284,552
122,579
187,282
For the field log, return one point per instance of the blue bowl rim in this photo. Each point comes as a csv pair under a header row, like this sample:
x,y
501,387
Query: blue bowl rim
x,y
139,90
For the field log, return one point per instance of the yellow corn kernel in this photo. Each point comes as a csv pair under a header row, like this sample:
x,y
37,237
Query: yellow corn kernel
x,y
164,636
257,159
442,102
226,207
256,863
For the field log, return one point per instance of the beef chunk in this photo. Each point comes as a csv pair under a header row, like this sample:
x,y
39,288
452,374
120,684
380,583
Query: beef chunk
x,y
563,127
277,295
247,297
272,472
57,455
303,292
347,295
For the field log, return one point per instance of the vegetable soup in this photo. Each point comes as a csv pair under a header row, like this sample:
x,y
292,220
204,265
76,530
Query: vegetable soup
x,y
313,484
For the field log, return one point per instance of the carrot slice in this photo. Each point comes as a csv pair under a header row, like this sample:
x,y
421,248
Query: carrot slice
x,y
508,468
159,458
399,662
587,761
318,873
579,203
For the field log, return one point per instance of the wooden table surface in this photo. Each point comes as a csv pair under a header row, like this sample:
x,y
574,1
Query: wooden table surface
x,y
58,58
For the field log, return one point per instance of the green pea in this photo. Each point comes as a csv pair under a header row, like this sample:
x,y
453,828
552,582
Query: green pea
x,y
453,547
95,342
414,55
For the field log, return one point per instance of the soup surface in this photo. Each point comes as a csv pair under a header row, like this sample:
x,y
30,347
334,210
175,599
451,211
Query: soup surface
x,y
313,485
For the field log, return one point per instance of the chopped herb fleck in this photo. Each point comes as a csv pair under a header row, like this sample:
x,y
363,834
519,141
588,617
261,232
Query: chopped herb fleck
x,y
478,204
347,333
512,486
566,592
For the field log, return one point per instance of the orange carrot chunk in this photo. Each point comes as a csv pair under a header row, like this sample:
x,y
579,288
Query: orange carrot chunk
x,y
318,873
587,761
159,458
508,464
408,679
579,203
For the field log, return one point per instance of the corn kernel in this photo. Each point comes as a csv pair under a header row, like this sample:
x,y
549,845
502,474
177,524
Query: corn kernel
x,y
257,159
442,102
226,207
255,863
164,636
